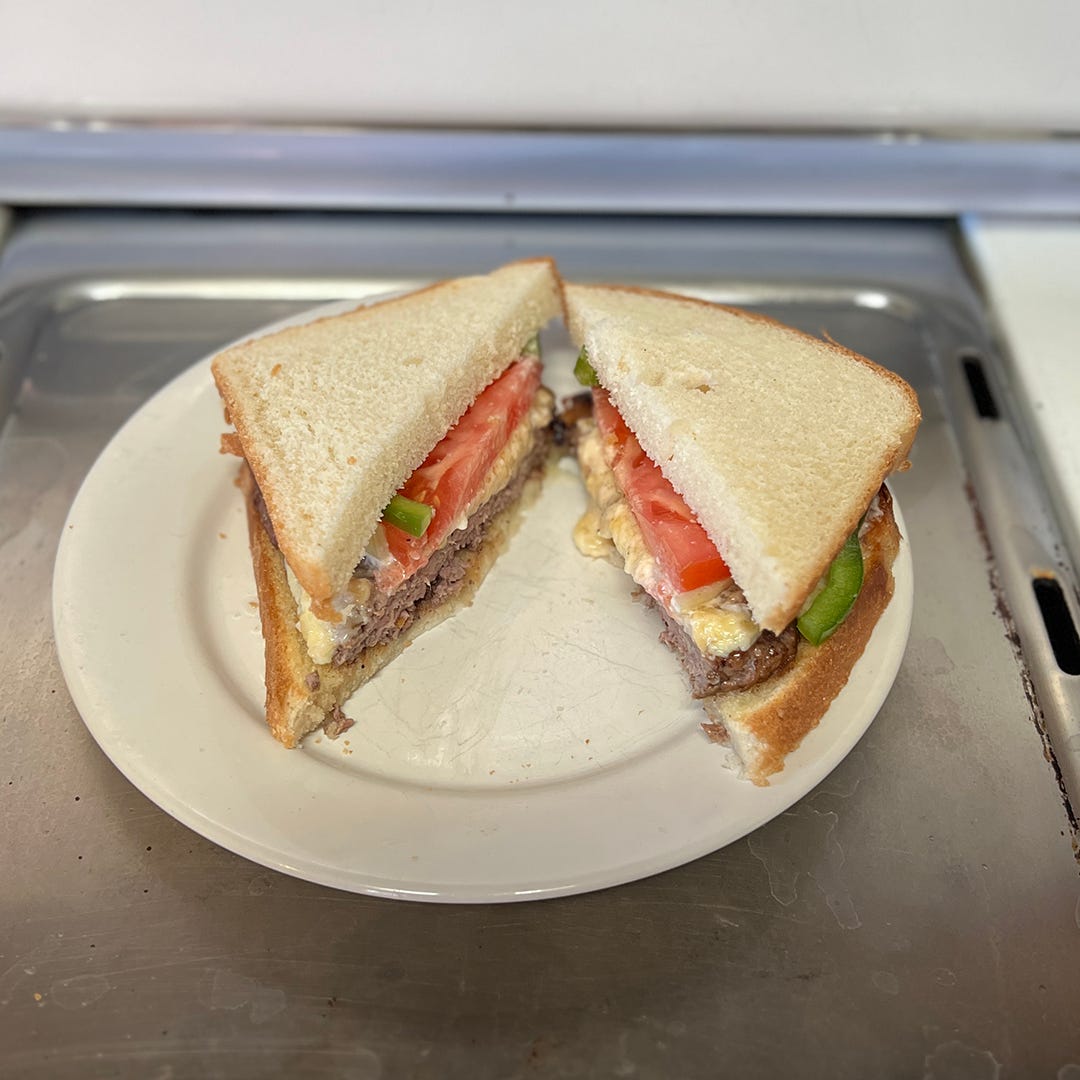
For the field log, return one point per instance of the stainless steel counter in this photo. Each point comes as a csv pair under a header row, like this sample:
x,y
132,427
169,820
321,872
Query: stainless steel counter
x,y
918,914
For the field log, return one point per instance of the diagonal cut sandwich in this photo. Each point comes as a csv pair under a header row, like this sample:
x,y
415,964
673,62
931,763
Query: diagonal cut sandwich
x,y
735,469
386,453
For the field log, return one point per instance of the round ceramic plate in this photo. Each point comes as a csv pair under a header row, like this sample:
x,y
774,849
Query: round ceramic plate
x,y
541,742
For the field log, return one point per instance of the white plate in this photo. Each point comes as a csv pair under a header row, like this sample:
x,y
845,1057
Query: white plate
x,y
540,743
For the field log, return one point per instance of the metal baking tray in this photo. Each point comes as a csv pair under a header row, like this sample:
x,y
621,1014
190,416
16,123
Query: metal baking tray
x,y
917,914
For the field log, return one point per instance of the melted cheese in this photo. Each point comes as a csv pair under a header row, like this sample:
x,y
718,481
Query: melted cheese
x,y
589,540
611,519
716,617
718,631
322,637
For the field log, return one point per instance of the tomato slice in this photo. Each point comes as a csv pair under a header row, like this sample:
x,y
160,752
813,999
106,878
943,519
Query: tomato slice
x,y
454,471
688,559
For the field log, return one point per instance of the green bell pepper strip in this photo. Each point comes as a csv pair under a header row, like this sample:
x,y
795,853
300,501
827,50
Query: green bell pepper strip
x,y
408,515
583,370
831,606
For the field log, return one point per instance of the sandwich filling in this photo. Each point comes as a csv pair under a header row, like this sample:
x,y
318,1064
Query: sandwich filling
x,y
715,616
709,627
637,520
475,472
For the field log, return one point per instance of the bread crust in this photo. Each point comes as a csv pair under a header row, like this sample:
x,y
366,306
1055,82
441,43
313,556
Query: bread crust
x,y
293,708
767,722
391,301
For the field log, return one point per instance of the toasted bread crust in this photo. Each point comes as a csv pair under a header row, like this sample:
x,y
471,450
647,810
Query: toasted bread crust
x,y
766,723
293,708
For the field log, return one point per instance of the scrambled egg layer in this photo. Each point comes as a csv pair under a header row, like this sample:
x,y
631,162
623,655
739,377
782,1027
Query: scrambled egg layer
x,y
716,617
323,637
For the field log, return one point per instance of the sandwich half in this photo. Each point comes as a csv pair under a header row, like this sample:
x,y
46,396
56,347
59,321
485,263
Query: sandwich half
x,y
385,452
735,469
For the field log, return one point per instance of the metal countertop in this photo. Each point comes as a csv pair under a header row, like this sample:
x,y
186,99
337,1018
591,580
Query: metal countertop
x,y
917,914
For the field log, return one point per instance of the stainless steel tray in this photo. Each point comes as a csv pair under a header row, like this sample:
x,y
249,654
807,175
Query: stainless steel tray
x,y
918,914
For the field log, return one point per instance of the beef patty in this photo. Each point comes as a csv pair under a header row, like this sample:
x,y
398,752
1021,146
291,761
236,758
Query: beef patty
x,y
768,656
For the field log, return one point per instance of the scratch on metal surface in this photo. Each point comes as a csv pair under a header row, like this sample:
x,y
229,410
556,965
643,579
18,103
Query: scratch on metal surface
x,y
783,874
786,856
229,991
26,965
1004,613
624,1066
79,991
827,877
841,783
957,1059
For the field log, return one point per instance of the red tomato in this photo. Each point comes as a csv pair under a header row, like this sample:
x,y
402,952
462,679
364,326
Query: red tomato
x,y
454,471
688,559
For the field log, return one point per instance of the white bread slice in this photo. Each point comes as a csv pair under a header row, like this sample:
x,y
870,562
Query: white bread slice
x,y
764,724
333,417
777,440
300,694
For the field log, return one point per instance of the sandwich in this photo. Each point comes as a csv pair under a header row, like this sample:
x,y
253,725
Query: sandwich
x,y
385,454
735,469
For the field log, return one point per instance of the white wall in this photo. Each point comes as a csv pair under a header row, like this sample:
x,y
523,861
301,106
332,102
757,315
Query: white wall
x,y
984,65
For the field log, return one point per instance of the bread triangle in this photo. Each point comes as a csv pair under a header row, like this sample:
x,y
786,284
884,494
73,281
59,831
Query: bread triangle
x,y
333,416
777,440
